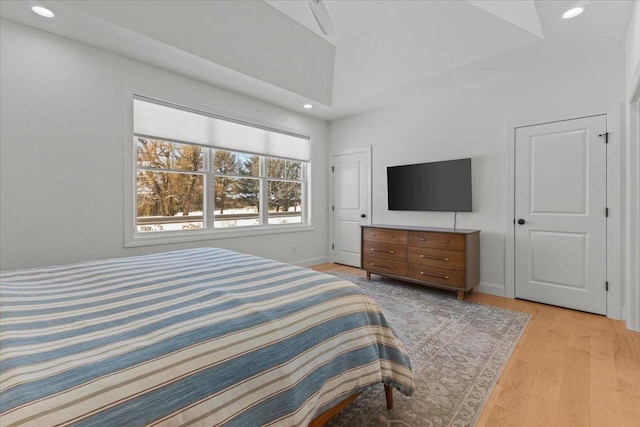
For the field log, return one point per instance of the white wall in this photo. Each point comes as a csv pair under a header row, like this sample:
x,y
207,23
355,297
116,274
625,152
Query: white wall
x,y
62,140
633,51
471,120
631,274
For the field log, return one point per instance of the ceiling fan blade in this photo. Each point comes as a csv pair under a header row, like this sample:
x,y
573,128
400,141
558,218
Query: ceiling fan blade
x,y
321,14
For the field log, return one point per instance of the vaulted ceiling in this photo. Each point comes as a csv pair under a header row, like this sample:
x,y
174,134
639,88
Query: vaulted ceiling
x,y
273,50
381,45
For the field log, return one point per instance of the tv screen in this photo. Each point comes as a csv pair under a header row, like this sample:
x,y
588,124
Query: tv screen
x,y
435,186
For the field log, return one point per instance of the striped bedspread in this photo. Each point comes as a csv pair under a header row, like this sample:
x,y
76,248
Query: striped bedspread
x,y
194,337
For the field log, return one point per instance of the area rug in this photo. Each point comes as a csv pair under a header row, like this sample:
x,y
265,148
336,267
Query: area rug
x,y
458,350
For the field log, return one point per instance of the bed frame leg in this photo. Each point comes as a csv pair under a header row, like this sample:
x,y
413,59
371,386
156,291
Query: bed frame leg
x,y
388,392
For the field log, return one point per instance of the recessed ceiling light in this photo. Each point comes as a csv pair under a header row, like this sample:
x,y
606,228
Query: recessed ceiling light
x,y
43,11
572,13
308,106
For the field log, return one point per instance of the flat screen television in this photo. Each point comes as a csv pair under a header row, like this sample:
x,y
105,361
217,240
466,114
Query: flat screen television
x,y
435,186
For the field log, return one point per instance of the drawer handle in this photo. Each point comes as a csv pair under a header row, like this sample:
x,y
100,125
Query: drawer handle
x,y
374,235
434,257
390,267
422,239
434,275
380,250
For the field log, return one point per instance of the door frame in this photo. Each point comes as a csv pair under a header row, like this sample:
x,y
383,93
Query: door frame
x,y
614,179
367,149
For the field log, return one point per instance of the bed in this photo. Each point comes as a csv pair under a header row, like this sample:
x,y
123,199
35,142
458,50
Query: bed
x,y
194,337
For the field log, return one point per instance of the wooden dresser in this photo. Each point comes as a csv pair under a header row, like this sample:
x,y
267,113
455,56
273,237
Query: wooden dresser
x,y
439,257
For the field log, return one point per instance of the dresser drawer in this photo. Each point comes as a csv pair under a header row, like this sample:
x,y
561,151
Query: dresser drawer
x,y
428,239
384,266
438,258
441,276
387,235
384,250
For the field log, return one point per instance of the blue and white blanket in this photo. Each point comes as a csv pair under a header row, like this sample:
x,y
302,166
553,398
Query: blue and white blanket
x,y
194,337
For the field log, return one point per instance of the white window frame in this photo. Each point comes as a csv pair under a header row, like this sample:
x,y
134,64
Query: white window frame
x,y
133,238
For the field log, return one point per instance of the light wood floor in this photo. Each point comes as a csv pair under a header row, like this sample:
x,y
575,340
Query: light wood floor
x,y
569,369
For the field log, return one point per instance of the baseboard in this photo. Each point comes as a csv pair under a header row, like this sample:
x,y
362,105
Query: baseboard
x,y
619,314
490,288
312,261
624,316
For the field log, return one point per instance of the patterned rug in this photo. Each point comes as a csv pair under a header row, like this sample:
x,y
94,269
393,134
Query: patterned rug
x,y
458,350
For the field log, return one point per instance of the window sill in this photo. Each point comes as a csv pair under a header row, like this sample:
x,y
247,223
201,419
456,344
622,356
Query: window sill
x,y
162,238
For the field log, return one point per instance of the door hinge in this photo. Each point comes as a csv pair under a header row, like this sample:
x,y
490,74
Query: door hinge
x,y
333,169
332,246
606,137
333,208
606,286
606,212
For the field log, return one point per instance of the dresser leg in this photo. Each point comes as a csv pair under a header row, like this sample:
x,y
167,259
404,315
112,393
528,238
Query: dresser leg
x,y
460,295
368,275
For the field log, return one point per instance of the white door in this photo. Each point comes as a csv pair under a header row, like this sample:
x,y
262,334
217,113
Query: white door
x,y
351,198
560,220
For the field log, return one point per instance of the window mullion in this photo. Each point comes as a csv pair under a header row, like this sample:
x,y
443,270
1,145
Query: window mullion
x,y
298,181
167,170
209,191
264,192
304,205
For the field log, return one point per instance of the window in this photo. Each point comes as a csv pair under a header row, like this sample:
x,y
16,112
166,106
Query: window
x,y
196,173
237,182
285,191
169,186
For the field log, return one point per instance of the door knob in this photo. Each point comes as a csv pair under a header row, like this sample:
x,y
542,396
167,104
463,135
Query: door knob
x,y
521,221
363,215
